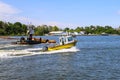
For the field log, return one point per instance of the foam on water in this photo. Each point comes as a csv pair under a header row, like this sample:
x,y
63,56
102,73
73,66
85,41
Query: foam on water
x,y
32,51
12,53
9,45
38,51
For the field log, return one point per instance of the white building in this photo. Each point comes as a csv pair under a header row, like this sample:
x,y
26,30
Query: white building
x,y
56,33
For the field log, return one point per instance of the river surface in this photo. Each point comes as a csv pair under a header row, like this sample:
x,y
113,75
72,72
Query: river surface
x,y
93,58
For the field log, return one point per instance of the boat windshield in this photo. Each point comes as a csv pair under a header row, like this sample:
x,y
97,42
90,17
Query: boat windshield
x,y
70,39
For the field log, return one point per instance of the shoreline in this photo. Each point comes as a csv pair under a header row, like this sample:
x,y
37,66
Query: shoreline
x,y
10,37
7,37
4,37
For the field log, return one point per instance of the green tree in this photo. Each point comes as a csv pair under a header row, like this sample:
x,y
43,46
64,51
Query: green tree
x,y
24,29
55,28
1,24
78,29
66,29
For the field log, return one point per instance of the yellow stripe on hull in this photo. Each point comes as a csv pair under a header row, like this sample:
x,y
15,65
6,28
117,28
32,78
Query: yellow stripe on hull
x,y
65,46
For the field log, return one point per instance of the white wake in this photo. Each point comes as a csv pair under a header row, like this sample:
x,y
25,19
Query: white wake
x,y
32,51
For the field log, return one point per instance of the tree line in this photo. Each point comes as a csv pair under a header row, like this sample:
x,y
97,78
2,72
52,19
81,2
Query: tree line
x,y
17,28
7,28
95,30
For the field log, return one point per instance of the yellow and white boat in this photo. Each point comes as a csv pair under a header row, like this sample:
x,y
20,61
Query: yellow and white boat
x,y
65,42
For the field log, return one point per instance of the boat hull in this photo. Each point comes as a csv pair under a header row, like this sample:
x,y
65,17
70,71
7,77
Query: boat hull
x,y
26,42
34,41
65,46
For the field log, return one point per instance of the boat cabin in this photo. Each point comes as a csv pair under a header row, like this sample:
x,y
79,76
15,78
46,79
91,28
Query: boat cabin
x,y
65,40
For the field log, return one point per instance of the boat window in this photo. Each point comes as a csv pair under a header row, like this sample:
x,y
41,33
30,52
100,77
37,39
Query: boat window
x,y
70,38
60,40
65,39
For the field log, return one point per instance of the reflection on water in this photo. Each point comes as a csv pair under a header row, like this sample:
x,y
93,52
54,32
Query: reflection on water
x,y
98,59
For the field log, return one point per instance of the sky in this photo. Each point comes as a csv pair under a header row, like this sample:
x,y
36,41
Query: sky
x,y
62,13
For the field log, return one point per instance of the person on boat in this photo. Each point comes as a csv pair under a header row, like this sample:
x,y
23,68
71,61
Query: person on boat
x,y
61,41
30,32
22,39
47,40
40,39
